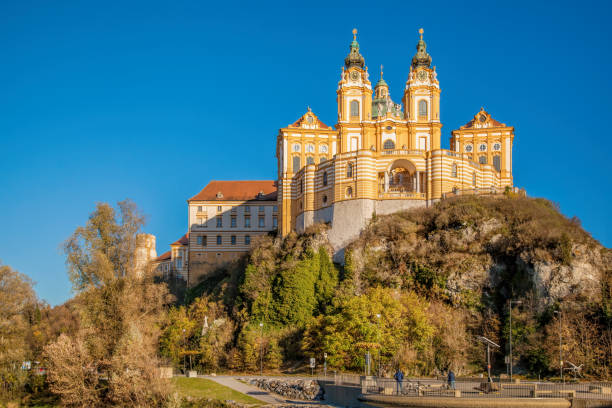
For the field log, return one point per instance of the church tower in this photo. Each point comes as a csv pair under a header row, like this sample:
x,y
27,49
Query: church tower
x,y
354,100
422,101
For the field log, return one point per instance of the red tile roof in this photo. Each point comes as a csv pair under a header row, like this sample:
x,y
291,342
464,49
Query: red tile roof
x,y
163,257
184,240
242,190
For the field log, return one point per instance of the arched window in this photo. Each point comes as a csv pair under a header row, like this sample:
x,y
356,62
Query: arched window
x,y
422,107
324,199
482,159
454,170
324,178
355,108
349,192
497,163
322,159
349,170
474,179
296,164
301,186
310,160
389,145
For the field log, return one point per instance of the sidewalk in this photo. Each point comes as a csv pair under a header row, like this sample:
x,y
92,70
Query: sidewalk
x,y
247,389
262,395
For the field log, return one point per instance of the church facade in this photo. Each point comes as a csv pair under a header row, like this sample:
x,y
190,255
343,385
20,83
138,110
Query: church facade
x,y
379,158
382,157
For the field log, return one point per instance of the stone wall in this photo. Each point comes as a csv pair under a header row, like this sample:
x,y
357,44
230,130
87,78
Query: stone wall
x,y
348,218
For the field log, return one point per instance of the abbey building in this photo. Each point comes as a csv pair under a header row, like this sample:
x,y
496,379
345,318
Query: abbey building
x,y
380,157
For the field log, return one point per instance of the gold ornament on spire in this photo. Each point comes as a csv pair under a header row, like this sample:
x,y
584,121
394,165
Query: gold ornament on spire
x,y
354,33
381,71
421,31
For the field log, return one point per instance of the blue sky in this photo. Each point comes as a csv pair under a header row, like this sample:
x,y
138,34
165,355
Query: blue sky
x,y
102,101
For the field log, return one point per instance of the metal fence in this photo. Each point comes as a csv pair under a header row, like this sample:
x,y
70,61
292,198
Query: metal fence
x,y
483,388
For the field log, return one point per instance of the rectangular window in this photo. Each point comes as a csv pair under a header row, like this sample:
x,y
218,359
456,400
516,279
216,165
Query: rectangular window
x,y
199,208
233,221
233,240
276,208
262,222
202,240
247,209
219,221
219,208
247,240
179,263
296,164
275,222
247,222
262,208
218,239
423,143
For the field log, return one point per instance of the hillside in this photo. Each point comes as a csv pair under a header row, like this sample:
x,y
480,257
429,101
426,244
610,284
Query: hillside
x,y
415,290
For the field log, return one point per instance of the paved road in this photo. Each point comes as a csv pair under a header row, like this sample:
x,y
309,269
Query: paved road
x,y
262,395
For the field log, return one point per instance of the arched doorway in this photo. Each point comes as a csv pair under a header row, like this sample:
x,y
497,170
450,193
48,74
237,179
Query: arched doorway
x,y
401,177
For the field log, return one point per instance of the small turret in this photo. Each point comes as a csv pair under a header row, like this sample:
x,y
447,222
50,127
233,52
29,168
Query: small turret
x,y
382,103
381,88
354,58
421,58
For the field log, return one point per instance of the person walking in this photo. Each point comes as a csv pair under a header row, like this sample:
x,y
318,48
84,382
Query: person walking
x,y
399,377
451,379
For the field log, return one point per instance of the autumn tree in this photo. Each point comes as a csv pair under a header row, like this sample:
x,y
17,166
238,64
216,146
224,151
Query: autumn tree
x,y
17,299
120,314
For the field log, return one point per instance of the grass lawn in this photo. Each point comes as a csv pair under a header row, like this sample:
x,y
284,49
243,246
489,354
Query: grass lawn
x,y
203,388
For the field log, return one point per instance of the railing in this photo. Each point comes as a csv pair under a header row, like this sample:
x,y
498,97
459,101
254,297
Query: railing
x,y
478,191
346,379
481,388
401,194
402,152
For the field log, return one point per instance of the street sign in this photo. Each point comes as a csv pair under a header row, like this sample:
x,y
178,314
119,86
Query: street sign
x,y
312,362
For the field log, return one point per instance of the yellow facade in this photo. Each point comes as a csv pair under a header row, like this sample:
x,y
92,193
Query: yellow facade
x,y
383,156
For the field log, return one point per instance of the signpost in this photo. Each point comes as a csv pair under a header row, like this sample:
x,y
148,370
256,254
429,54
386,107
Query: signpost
x,y
325,365
312,365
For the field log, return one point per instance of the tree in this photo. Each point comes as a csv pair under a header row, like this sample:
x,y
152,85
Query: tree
x,y
352,328
120,315
17,299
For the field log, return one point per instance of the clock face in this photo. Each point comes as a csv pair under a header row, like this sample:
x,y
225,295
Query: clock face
x,y
354,75
468,148
422,75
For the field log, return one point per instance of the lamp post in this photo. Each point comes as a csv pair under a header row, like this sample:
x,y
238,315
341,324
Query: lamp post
x,y
516,302
379,344
558,313
261,348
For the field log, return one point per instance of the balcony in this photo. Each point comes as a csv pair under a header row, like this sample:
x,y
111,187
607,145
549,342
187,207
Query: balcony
x,y
402,152
400,193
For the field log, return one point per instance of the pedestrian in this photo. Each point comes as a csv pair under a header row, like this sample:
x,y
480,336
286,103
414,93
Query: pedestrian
x,y
399,377
451,379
